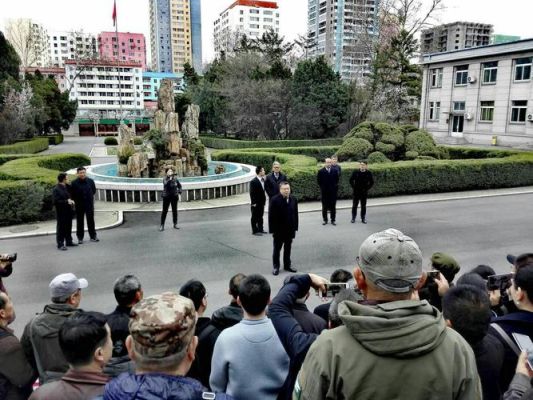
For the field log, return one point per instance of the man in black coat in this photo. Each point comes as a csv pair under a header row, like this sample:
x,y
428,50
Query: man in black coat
x,y
283,224
83,191
328,180
63,204
258,200
361,181
274,179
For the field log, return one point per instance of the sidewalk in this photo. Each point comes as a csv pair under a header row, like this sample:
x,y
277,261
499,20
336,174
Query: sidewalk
x,y
111,215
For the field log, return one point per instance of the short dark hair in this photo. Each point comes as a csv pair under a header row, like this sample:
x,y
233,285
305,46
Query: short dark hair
x,y
61,177
258,169
234,283
341,275
254,293
80,169
125,289
484,271
2,302
284,183
468,309
523,259
472,279
80,335
524,280
194,290
363,162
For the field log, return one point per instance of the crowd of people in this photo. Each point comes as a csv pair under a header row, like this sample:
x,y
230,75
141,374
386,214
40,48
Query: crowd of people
x,y
389,331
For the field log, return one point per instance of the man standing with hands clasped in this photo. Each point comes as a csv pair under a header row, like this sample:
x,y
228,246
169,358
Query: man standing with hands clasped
x,y
361,181
171,192
258,200
64,209
328,180
83,191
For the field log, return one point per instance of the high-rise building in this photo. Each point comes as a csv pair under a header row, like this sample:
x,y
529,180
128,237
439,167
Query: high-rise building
x,y
175,34
72,45
130,47
244,17
342,32
455,36
30,41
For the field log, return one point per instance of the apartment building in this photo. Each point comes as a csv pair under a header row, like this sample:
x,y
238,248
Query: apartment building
x,y
30,41
128,47
71,45
455,36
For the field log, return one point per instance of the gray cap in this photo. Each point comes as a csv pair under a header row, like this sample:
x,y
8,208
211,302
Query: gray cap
x,y
391,260
66,284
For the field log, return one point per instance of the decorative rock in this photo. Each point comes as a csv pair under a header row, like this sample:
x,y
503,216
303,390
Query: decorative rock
x,y
220,169
138,165
165,100
172,123
174,144
191,125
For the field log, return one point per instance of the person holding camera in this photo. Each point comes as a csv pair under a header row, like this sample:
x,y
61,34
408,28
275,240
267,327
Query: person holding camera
x,y
171,192
64,208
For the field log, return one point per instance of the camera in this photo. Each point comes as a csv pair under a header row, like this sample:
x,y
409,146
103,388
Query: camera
x,y
8,257
502,282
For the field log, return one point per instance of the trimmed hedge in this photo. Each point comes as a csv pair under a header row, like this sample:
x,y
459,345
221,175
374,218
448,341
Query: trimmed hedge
x,y
221,143
320,153
54,139
27,147
10,157
110,141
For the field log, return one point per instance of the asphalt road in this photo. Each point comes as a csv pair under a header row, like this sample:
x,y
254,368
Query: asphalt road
x,y
212,245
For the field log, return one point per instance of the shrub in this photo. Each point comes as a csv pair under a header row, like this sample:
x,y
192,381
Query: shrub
x,y
408,128
394,136
320,153
110,141
425,158
54,139
421,142
137,141
386,148
44,168
377,158
221,143
27,147
362,133
354,149
125,153
21,201
10,157
411,155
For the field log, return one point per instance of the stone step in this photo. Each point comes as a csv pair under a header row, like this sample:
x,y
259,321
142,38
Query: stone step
x,y
451,140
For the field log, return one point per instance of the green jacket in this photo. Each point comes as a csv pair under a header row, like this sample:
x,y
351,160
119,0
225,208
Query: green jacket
x,y
391,351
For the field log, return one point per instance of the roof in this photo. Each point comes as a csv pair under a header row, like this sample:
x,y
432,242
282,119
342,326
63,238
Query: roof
x,y
107,63
255,3
150,74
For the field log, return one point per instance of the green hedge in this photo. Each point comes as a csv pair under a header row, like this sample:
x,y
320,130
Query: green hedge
x,y
110,141
10,157
26,186
320,153
54,139
27,147
221,143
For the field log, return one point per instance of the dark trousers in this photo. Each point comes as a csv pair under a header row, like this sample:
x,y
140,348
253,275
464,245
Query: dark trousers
x,y
173,201
359,197
280,242
64,226
329,203
257,218
80,223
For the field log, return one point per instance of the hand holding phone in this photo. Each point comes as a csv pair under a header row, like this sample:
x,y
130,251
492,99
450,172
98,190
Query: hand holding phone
x,y
525,344
331,289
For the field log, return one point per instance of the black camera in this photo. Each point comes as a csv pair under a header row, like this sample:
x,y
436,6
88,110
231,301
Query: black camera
x,y
502,282
8,257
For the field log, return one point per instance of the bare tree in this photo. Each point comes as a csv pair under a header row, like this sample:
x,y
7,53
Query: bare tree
x,y
84,52
19,34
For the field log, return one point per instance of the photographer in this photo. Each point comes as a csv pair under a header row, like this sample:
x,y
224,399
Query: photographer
x,y
171,192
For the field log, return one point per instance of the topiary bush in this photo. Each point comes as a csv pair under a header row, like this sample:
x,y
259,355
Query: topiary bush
x,y
21,201
222,143
377,157
386,148
420,141
411,155
26,147
110,141
354,149
54,139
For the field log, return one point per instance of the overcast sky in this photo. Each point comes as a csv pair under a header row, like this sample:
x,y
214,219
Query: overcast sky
x,y
511,17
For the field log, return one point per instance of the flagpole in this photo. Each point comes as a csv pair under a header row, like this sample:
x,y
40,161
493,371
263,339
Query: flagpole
x,y
115,22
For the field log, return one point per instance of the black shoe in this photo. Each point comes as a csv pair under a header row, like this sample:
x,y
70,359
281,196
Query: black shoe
x,y
80,241
176,226
71,244
62,248
290,269
275,271
333,223
363,221
257,234
161,228
353,221
263,232
325,223
95,239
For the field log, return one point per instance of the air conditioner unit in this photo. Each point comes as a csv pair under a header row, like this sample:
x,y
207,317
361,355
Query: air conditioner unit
x,y
471,79
530,117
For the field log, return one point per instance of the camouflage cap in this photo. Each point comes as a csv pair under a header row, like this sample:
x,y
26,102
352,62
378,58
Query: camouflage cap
x,y
162,325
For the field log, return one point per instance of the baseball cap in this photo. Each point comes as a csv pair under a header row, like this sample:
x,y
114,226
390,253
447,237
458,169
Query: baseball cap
x,y
162,325
391,260
66,284
511,259
446,264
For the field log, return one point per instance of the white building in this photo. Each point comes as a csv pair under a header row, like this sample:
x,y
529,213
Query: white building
x,y
72,45
30,41
96,87
474,94
244,17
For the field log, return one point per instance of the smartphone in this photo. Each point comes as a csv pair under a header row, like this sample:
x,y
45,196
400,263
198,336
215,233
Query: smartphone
x,y
333,288
432,275
502,282
525,344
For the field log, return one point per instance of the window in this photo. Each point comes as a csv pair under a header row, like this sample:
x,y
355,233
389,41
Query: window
x,y
486,111
458,106
518,111
522,70
436,77
434,110
253,11
461,75
490,71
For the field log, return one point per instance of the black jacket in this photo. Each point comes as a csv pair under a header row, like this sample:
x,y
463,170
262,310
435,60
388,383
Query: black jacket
x,y
207,336
489,360
83,192
228,316
171,187
118,322
328,181
257,193
272,184
61,195
322,311
361,182
310,323
283,216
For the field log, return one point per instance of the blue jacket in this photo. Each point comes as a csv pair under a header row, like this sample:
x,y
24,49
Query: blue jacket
x,y
156,386
295,341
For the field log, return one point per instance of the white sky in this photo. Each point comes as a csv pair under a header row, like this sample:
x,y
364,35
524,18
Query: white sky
x,y
511,17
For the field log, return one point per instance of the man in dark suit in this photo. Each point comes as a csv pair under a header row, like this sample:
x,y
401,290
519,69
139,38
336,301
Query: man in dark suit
x,y
283,224
258,200
63,204
328,180
361,181
274,179
336,166
83,190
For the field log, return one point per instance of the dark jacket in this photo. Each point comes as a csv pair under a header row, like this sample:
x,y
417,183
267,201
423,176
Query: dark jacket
x,y
489,355
60,196
74,385
118,322
283,216
518,322
272,184
361,182
322,311
156,386
295,341
309,322
207,336
45,338
328,182
83,192
257,193
16,374
228,316
171,187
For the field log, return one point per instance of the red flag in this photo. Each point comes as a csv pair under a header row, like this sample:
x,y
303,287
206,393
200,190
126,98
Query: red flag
x,y
114,16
